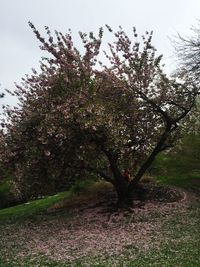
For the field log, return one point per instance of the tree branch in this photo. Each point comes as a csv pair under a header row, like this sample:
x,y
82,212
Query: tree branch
x,y
150,159
185,112
157,108
106,177
101,173
177,105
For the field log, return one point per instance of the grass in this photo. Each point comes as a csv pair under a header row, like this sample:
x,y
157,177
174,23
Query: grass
x,y
32,208
180,248
179,236
79,192
178,180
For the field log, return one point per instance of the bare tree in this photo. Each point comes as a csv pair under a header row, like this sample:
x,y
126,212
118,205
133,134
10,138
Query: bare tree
x,y
188,52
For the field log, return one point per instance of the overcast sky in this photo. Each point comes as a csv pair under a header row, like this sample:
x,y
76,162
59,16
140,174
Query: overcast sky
x,y
19,49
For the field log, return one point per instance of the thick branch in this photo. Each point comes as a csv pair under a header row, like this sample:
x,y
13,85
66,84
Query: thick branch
x,y
150,159
177,105
119,182
157,108
185,112
101,173
106,177
86,167
112,160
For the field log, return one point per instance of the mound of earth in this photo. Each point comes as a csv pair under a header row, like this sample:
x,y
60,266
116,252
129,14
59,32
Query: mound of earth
x,y
158,193
106,198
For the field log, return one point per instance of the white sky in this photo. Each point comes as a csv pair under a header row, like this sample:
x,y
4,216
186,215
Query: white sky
x,y
19,49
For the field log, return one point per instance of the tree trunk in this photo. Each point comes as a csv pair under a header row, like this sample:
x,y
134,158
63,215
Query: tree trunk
x,y
119,182
149,161
124,188
123,197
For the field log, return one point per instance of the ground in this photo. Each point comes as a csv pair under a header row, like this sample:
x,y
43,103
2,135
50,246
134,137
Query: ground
x,y
85,230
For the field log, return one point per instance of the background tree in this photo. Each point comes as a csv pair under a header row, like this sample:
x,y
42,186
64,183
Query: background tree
x,y
183,160
188,53
1,94
79,117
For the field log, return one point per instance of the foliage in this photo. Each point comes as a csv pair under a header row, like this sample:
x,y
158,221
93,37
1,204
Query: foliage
x,y
186,156
78,117
4,194
187,50
7,197
180,166
81,186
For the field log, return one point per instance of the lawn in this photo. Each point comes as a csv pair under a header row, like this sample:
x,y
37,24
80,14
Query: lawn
x,y
30,209
157,234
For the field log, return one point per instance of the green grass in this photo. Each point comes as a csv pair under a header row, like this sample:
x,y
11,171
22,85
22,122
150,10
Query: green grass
x,y
31,208
178,180
40,206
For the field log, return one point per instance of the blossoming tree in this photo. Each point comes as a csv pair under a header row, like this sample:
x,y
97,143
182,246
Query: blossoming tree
x,y
79,117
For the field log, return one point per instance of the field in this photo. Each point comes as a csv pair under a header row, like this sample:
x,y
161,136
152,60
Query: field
x,y
80,230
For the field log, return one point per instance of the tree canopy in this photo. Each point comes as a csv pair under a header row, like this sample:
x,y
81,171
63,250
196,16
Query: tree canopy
x,y
80,117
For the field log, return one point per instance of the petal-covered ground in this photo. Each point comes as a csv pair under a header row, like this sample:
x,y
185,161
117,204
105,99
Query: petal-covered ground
x,y
92,229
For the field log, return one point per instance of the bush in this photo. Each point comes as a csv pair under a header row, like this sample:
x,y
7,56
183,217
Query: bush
x,y
81,186
6,197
